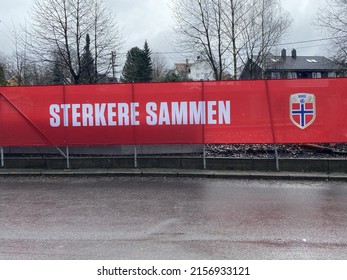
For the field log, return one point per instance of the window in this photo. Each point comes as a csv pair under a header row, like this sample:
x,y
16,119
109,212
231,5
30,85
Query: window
x,y
316,75
311,60
275,60
292,75
332,75
275,75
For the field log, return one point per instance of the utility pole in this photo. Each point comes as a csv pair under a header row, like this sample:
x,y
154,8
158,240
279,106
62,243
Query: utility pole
x,y
113,65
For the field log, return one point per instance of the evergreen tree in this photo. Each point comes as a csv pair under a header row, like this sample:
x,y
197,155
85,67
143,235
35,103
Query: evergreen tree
x,y
147,63
87,75
138,65
2,76
132,71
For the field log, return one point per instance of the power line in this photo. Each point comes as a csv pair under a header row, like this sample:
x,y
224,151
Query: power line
x,y
279,44
313,46
308,41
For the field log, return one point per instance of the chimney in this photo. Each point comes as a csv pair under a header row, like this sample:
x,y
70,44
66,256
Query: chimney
x,y
294,53
284,53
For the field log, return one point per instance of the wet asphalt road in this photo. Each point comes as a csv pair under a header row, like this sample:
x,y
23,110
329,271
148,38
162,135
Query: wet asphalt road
x,y
171,218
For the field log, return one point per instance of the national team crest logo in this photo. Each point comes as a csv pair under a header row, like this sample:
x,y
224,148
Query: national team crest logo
x,y
303,109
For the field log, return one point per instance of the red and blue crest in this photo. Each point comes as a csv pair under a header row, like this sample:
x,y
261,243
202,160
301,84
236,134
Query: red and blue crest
x,y
303,109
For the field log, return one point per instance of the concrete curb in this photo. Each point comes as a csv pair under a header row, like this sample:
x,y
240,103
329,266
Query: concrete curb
x,y
175,173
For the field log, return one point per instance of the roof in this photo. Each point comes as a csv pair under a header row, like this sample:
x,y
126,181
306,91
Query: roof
x,y
300,63
183,67
13,81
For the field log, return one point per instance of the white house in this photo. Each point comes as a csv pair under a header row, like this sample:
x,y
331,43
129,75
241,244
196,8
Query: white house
x,y
201,70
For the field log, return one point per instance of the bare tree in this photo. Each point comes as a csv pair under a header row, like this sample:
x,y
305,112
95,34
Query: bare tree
x,y
2,73
234,13
17,63
332,18
60,28
227,32
263,27
107,39
160,68
200,27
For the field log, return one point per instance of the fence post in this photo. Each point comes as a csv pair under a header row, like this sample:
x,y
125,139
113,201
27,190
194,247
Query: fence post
x,y
203,128
135,156
277,159
204,157
2,157
67,157
272,125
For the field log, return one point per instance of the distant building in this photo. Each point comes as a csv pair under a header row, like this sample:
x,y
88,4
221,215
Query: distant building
x,y
12,82
183,70
291,67
200,70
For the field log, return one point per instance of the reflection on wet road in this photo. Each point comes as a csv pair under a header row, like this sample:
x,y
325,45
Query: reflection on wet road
x,y
171,218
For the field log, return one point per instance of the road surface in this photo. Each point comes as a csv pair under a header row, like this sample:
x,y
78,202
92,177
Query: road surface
x,y
171,218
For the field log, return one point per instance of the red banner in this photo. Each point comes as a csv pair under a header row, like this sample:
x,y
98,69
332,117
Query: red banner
x,y
262,111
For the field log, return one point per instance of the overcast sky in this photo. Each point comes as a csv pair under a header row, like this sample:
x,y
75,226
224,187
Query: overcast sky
x,y
152,20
